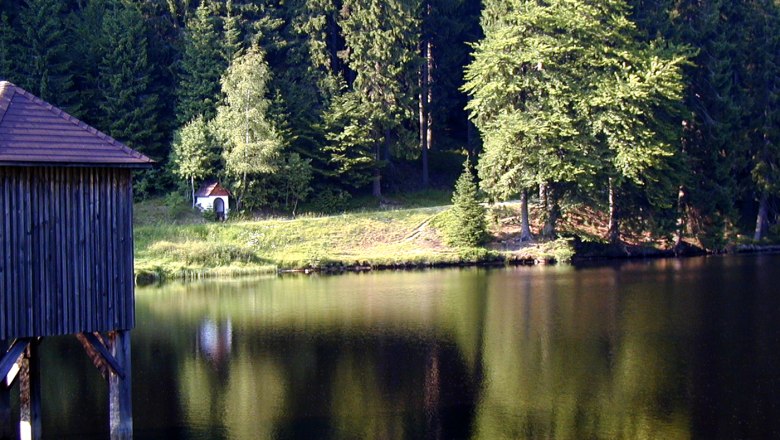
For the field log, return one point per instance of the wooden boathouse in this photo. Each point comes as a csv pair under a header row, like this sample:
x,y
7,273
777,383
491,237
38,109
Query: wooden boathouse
x,y
66,252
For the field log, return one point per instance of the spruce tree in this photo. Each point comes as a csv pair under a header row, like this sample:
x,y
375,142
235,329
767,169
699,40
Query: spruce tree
x,y
566,92
128,108
353,140
762,90
633,112
6,39
203,63
381,39
468,227
525,83
85,27
232,33
711,143
447,26
41,53
303,86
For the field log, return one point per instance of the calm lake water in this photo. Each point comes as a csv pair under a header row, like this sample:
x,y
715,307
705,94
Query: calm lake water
x,y
667,349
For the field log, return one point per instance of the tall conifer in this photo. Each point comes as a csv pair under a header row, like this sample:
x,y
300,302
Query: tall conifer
x,y
41,53
565,91
203,63
128,108
381,39
6,39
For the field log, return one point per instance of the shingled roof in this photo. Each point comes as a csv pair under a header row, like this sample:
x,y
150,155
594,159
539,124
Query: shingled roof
x,y
34,133
209,189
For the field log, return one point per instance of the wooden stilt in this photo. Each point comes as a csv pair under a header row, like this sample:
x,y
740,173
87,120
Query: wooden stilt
x,y
30,393
5,403
120,395
6,431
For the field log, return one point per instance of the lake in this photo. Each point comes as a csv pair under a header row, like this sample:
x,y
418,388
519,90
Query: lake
x,y
662,349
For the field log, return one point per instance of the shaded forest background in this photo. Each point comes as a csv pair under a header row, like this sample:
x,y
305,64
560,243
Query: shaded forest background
x,y
369,97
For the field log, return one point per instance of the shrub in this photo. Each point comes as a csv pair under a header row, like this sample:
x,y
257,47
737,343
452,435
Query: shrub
x,y
329,200
204,253
467,226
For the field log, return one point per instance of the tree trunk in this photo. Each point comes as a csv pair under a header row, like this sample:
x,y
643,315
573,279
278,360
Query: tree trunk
x,y
426,181
525,228
429,100
681,217
240,199
192,187
424,114
550,203
377,182
613,233
386,149
762,219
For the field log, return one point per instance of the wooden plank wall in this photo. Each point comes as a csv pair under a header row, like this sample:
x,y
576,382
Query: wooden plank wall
x,y
66,251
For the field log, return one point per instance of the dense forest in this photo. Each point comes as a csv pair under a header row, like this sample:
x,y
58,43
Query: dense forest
x,y
663,114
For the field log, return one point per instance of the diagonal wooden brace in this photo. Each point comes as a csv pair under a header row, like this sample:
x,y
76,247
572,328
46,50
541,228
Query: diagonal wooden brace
x,y
94,356
98,345
11,357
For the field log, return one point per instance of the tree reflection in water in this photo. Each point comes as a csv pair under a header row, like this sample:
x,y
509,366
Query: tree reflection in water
x,y
641,350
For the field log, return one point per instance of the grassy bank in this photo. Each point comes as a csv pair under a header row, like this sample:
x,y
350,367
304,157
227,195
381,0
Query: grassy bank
x,y
189,247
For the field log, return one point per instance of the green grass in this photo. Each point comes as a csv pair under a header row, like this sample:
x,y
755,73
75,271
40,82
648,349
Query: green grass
x,y
172,209
171,242
379,238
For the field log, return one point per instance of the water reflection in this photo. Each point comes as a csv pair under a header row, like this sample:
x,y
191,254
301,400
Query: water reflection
x,y
215,340
669,349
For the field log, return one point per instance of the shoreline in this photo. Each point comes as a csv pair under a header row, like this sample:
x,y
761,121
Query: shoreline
x,y
362,241
496,260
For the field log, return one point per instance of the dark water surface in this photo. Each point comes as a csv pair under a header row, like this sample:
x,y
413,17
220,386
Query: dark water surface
x,y
668,349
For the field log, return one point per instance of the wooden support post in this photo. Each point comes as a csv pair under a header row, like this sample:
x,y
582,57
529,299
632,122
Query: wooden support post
x,y
6,431
5,403
30,393
120,388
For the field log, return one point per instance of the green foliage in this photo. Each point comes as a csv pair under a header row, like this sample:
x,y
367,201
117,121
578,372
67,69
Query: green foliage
x,y
192,155
6,39
560,250
40,56
242,124
127,106
232,44
525,82
204,253
382,39
297,184
191,147
86,30
328,200
203,63
179,208
566,92
353,144
468,225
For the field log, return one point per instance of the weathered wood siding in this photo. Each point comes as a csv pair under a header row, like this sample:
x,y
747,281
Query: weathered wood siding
x,y
66,251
